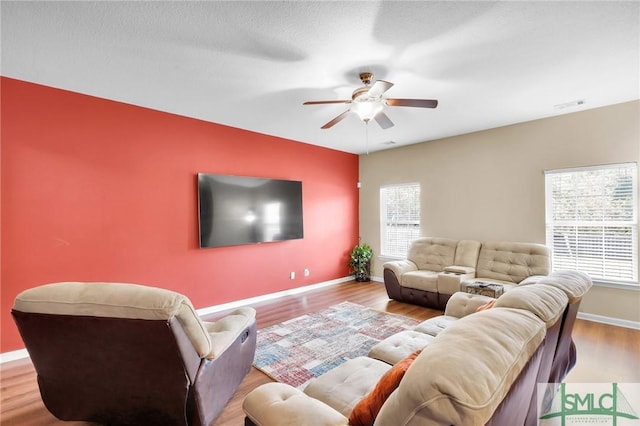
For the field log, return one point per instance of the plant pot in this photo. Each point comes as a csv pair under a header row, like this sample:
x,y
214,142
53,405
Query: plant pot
x,y
360,262
363,275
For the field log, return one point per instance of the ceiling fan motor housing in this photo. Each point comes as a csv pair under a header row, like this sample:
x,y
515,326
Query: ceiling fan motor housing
x,y
366,77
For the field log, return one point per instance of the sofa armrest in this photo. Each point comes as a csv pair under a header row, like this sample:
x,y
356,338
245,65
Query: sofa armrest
x,y
451,277
278,404
462,304
462,270
400,267
227,329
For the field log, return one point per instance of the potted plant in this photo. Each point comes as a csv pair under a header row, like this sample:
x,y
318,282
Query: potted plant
x,y
360,261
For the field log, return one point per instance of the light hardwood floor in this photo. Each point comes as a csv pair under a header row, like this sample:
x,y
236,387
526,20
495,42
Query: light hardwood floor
x,y
605,353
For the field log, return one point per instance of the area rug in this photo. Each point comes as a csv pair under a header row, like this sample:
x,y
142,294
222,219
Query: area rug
x,y
305,347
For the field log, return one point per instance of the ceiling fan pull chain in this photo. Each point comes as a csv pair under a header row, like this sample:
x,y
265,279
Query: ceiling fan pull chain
x,y
366,124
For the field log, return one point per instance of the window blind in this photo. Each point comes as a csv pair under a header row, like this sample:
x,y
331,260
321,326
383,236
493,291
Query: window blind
x,y
399,218
592,220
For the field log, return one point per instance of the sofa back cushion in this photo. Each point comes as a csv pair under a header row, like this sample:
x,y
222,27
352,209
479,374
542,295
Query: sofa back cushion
x,y
466,371
546,302
116,300
432,254
512,262
467,253
575,284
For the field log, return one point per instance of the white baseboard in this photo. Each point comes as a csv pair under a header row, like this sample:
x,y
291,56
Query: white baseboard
x,y
13,355
609,320
270,296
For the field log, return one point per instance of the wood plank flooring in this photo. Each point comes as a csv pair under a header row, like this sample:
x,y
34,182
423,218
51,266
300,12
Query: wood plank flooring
x,y
605,353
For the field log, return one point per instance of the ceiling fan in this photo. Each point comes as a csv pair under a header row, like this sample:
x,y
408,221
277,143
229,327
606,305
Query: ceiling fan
x,y
367,102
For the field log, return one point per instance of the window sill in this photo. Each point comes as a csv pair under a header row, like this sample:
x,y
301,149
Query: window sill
x,y
387,258
616,285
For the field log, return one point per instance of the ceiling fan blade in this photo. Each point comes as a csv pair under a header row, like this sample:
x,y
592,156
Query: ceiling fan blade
x,y
383,120
346,101
336,120
379,87
420,103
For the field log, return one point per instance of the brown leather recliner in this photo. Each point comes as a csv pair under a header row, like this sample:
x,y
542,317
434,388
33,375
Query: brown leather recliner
x,y
126,354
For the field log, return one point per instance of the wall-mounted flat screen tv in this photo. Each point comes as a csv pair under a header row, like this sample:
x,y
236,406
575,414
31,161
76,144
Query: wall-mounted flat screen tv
x,y
235,210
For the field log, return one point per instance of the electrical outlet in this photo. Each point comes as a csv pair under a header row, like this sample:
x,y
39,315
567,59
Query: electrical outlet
x,y
292,275
306,272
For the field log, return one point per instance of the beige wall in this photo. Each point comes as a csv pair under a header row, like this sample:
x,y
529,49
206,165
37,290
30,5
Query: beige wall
x,y
489,185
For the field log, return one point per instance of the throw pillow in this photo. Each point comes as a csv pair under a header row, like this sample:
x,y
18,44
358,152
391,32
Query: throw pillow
x,y
486,306
366,411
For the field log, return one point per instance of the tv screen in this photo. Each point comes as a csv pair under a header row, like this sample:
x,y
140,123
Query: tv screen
x,y
235,210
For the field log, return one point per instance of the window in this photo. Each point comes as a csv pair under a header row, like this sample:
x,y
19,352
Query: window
x,y
592,220
399,218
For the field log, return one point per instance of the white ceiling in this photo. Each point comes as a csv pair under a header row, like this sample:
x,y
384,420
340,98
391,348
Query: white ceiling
x,y
252,64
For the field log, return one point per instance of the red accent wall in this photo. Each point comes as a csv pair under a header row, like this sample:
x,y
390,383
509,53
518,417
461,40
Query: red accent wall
x,y
96,190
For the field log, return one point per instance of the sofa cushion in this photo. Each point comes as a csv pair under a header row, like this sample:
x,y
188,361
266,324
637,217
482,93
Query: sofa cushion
x,y
365,411
280,404
433,326
344,386
461,304
97,299
420,280
467,253
512,262
575,284
546,302
466,386
432,253
398,346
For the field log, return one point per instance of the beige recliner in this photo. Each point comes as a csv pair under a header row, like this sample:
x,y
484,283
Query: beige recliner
x,y
432,271
126,354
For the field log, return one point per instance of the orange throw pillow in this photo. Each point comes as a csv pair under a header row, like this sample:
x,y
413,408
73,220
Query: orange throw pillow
x,y
487,306
366,411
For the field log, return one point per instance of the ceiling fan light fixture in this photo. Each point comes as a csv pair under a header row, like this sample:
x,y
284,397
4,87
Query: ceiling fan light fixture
x,y
367,109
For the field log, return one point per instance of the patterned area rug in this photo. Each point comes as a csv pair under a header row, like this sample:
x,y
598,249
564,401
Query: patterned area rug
x,y
302,348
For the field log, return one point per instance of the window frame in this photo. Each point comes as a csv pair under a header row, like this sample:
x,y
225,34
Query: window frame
x,y
384,224
551,224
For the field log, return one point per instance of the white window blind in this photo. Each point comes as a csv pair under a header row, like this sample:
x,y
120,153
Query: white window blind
x,y
399,218
592,220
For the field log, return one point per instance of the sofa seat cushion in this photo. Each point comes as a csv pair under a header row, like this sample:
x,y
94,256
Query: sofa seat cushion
x,y
433,326
466,386
462,304
344,386
365,411
282,405
420,280
397,347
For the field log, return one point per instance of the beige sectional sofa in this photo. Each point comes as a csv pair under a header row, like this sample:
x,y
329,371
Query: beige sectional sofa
x,y
436,268
480,367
